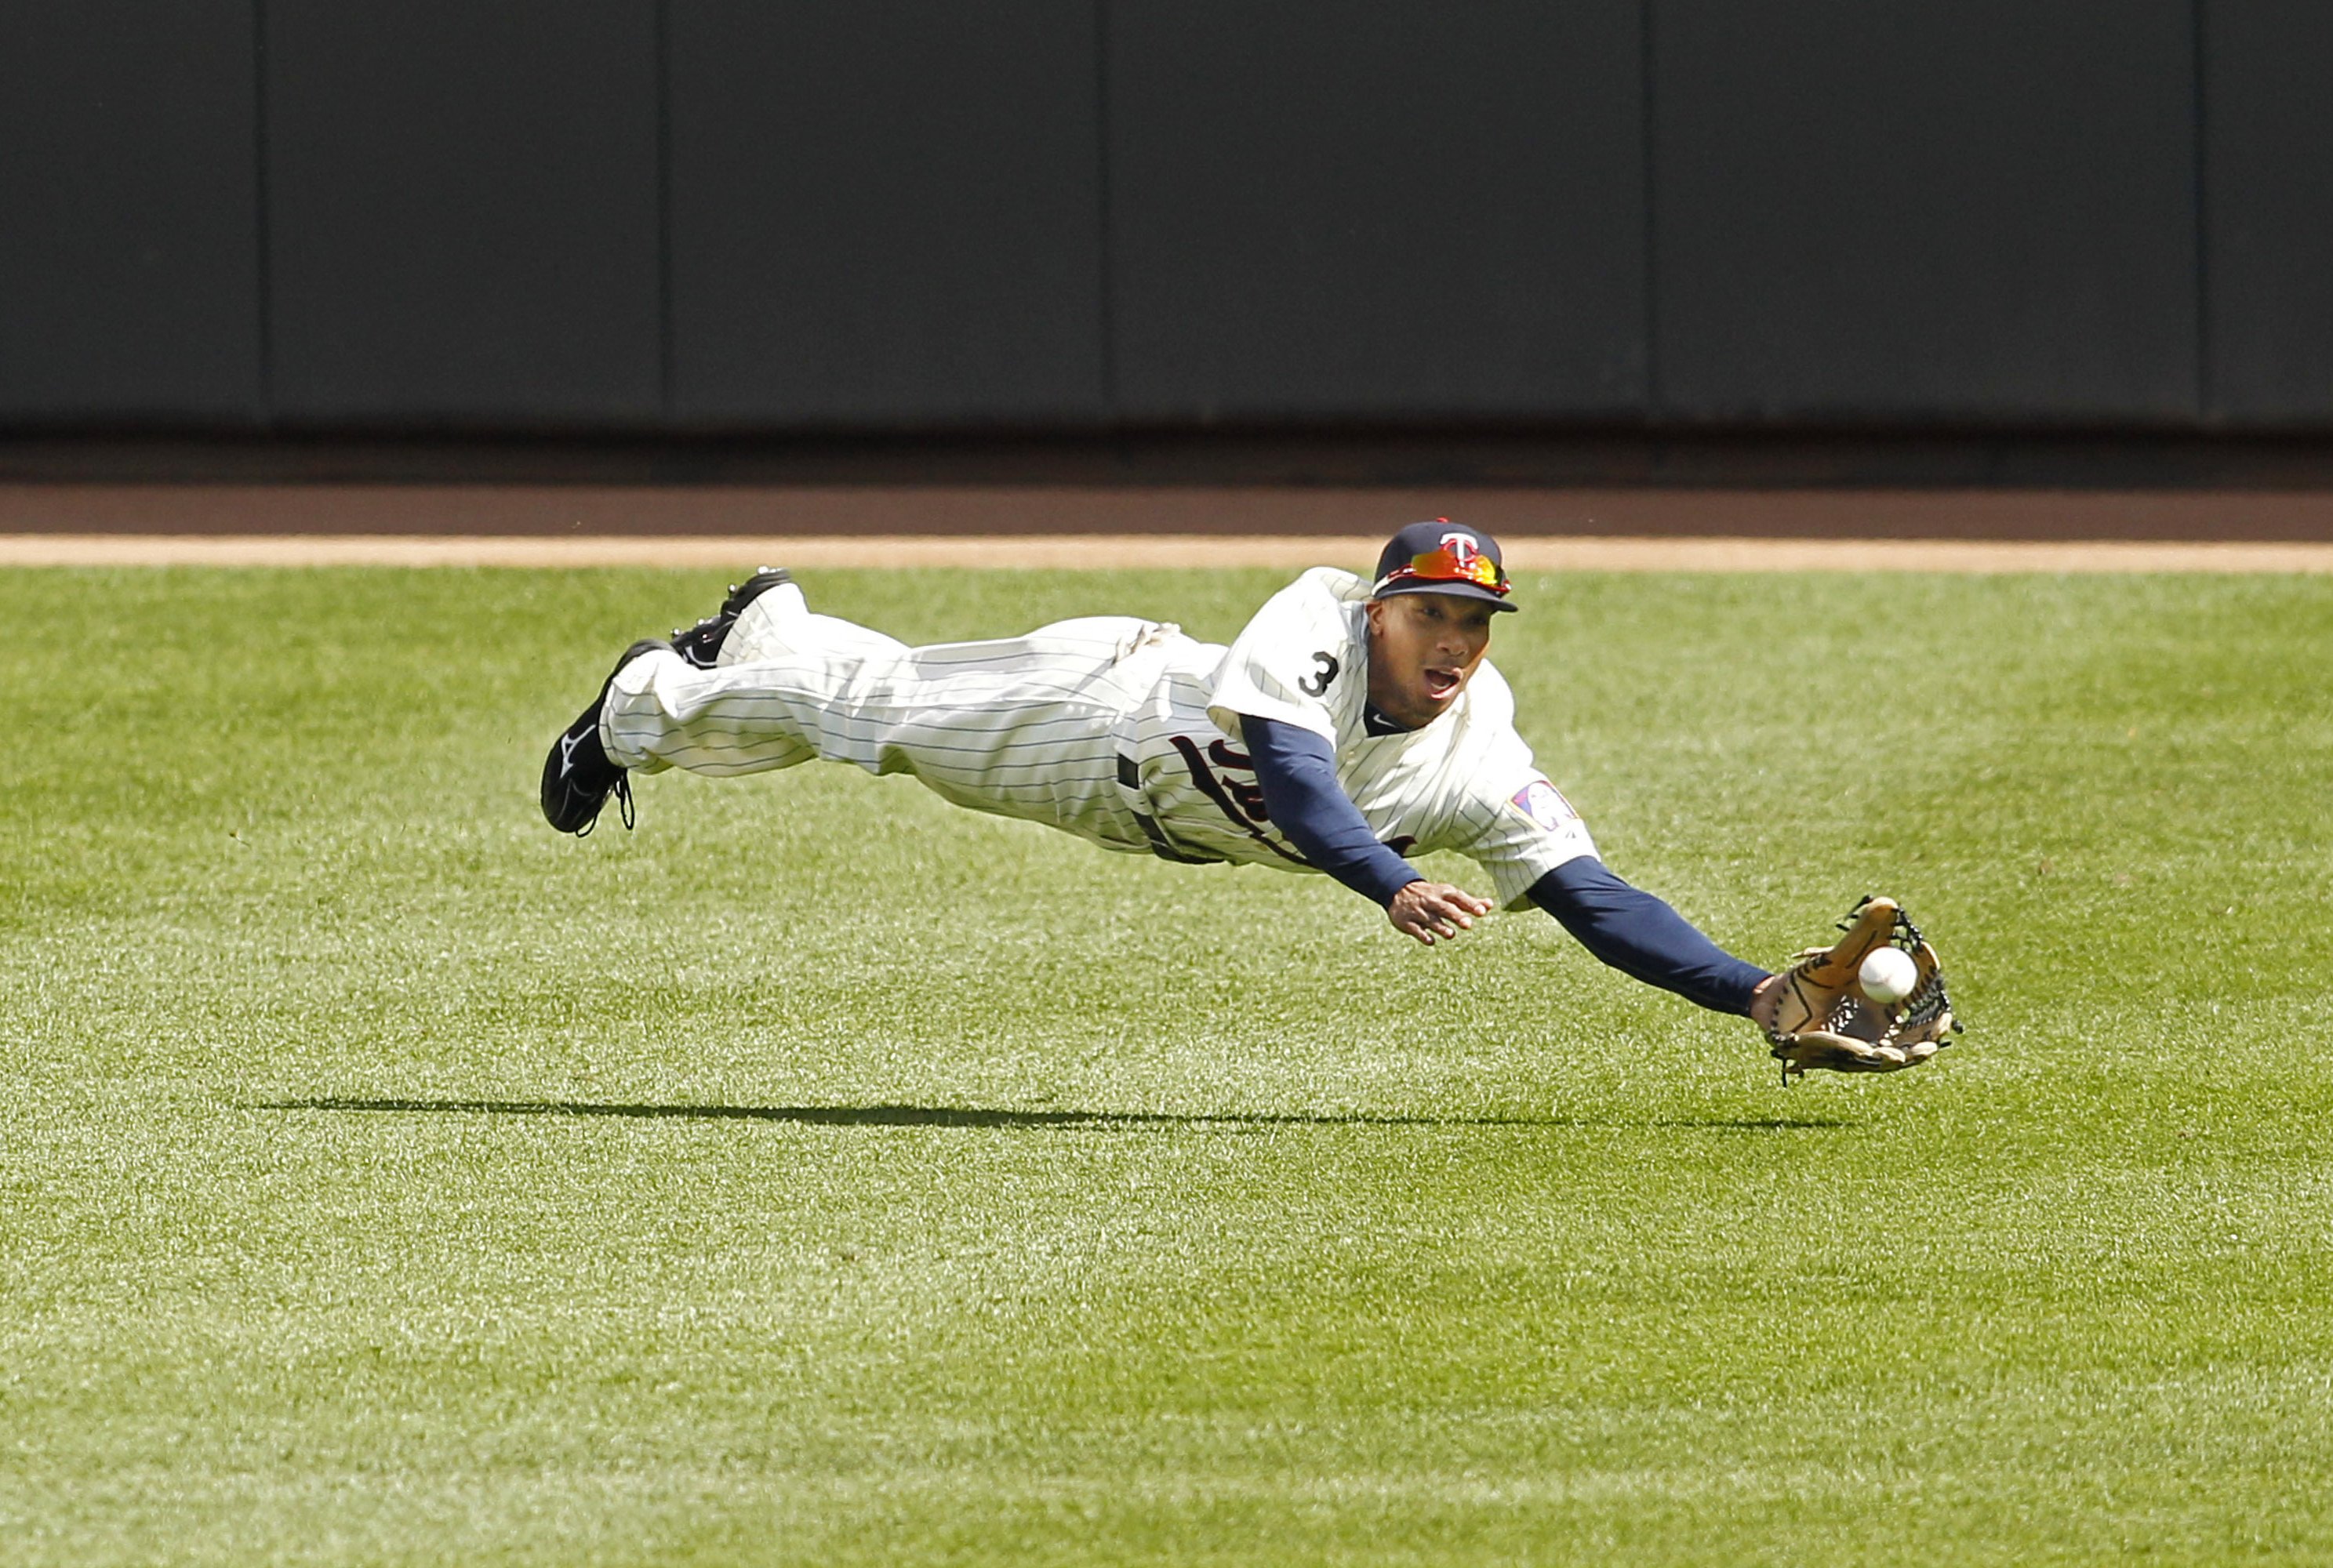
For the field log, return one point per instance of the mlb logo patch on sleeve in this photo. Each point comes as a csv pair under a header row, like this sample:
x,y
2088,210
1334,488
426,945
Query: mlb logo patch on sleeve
x,y
1545,804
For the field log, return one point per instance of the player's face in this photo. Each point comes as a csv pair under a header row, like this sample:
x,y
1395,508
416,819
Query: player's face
x,y
1423,650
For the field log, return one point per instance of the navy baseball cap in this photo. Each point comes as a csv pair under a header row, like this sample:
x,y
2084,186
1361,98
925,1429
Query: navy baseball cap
x,y
1439,556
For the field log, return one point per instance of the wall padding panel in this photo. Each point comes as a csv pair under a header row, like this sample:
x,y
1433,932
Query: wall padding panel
x,y
464,209
1902,210
128,227
1333,209
886,213
2268,138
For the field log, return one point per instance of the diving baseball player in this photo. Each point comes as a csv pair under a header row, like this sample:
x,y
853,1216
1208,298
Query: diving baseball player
x,y
1352,723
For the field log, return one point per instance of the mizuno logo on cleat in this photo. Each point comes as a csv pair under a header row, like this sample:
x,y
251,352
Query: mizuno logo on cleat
x,y
567,744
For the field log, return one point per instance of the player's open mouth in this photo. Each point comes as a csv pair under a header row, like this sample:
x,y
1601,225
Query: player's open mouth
x,y
1441,684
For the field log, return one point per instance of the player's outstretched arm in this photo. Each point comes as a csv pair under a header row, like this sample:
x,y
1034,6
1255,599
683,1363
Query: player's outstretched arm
x,y
1641,936
1297,772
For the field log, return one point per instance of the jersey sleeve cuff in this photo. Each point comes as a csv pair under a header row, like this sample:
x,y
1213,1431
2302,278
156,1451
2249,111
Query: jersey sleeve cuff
x,y
1226,717
1513,879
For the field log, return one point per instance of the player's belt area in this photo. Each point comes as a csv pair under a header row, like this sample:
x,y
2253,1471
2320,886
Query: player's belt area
x,y
1203,779
1130,780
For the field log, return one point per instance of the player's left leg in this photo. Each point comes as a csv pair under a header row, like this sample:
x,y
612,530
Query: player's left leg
x,y
579,775
1025,726
963,717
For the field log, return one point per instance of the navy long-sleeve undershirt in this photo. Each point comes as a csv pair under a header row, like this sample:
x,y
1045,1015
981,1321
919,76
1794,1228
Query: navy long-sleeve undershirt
x,y
1640,935
1297,772
1627,928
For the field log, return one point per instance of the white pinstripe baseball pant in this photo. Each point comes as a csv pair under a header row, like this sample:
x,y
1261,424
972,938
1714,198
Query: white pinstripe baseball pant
x,y
1027,727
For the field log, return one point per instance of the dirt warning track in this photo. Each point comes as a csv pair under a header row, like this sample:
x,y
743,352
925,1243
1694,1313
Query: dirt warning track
x,y
1031,525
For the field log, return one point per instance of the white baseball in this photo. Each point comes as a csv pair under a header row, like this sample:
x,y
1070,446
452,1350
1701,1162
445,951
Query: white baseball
x,y
1887,975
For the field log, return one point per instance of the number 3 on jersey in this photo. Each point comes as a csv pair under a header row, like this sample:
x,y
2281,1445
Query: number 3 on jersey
x,y
1325,668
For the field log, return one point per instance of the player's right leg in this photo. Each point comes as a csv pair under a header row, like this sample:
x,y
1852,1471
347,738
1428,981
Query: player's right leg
x,y
1025,726
778,623
769,593
762,684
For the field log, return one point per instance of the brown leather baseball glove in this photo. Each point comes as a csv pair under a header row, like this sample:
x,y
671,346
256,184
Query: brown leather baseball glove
x,y
1819,1015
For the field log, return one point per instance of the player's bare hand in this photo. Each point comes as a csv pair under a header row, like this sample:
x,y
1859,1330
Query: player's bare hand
x,y
1435,910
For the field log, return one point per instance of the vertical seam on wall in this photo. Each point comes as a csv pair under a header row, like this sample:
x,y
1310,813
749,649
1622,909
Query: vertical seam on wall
x,y
2204,390
1105,301
664,210
264,280
1652,239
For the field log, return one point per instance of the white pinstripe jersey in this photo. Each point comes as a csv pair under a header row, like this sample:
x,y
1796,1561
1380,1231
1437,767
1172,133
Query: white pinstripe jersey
x,y
1465,782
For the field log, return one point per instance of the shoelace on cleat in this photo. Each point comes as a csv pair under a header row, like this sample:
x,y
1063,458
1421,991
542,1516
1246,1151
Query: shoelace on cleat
x,y
622,790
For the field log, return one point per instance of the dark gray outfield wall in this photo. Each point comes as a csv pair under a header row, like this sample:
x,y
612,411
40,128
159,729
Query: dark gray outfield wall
x,y
776,216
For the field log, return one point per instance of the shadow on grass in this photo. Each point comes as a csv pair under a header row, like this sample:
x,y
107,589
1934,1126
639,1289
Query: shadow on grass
x,y
1754,1123
970,1117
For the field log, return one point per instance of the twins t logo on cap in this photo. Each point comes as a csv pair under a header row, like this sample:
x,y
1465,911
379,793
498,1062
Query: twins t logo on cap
x,y
1464,549
1433,552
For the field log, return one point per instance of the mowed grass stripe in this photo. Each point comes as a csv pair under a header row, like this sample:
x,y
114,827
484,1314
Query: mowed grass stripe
x,y
820,1173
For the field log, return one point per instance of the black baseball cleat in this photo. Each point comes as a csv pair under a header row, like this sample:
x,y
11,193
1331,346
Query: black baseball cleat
x,y
579,776
700,644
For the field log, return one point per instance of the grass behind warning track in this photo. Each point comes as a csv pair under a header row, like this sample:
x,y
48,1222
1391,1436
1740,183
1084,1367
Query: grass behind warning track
x,y
820,1174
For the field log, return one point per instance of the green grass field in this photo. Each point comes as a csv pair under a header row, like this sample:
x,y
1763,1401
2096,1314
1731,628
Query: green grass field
x,y
820,1174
